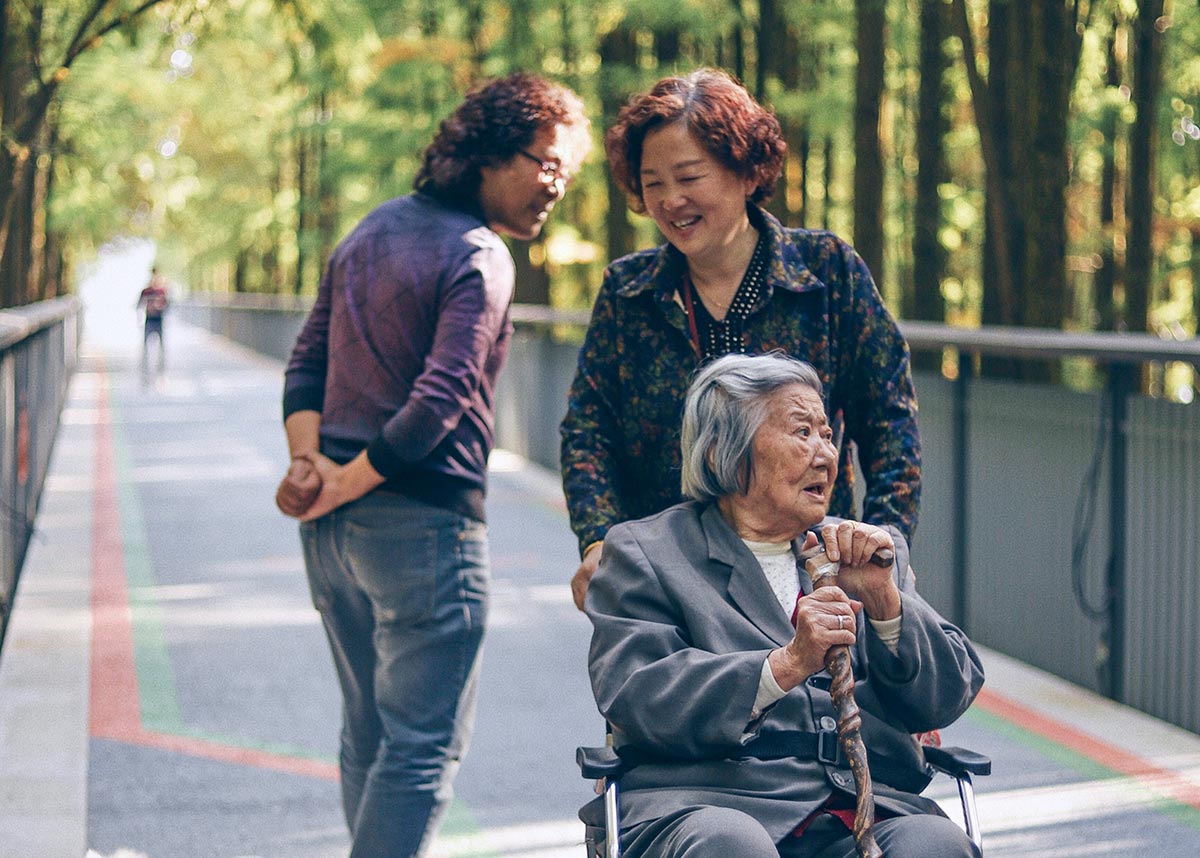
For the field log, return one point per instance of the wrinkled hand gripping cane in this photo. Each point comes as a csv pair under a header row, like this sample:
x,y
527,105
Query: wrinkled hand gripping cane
x,y
823,573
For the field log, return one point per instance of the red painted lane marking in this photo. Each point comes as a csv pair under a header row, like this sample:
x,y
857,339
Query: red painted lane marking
x,y
1165,781
222,753
114,702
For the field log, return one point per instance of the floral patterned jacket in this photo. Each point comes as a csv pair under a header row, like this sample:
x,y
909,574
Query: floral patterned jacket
x,y
620,438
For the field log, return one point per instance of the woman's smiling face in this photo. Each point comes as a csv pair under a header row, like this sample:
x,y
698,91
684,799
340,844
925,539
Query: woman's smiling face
x,y
698,203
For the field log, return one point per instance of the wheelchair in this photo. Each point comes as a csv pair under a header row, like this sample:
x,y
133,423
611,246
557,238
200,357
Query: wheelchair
x,y
604,764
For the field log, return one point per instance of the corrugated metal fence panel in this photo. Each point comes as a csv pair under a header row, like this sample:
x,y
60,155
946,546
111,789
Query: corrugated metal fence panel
x,y
1162,673
1029,451
531,395
36,360
267,330
933,545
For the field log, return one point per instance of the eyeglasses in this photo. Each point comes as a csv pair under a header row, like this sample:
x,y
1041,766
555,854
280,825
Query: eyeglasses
x,y
548,171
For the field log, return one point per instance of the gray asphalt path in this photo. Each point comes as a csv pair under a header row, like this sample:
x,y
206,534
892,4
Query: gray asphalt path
x,y
242,660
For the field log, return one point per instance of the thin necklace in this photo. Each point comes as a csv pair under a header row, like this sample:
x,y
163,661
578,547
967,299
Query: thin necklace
x,y
702,294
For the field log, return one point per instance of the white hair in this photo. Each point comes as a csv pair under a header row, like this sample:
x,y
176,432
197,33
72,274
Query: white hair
x,y
726,404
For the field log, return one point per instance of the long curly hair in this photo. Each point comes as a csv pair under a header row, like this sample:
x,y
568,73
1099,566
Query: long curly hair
x,y
735,129
493,122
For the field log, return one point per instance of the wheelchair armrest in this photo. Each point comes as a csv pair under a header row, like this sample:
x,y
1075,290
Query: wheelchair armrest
x,y
956,761
599,763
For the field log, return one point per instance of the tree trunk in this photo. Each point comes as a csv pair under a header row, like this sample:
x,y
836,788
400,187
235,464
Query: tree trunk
x,y
6,57
1022,111
431,18
1046,74
1195,269
522,51
327,192
738,36
570,50
303,209
771,36
13,78
803,150
474,33
999,293
868,151
617,54
42,181
667,46
929,256
16,173
827,178
778,53
1106,277
272,238
57,270
798,77
240,266
15,265
1147,82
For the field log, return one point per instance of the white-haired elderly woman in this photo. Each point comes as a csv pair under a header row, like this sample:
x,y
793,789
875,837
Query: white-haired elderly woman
x,y
707,655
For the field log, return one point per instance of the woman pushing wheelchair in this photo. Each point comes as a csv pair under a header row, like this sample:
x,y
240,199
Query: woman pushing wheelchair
x,y
709,644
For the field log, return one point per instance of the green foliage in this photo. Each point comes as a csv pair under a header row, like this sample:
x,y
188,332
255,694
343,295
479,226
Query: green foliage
x,y
295,117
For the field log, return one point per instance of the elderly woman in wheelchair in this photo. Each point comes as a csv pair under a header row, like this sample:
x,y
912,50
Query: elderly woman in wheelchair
x,y
708,646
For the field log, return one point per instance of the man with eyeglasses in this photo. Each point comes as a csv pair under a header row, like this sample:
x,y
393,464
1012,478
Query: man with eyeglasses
x,y
549,172
388,409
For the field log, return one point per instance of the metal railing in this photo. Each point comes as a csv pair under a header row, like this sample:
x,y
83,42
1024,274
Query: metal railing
x,y
39,349
1056,501
1057,526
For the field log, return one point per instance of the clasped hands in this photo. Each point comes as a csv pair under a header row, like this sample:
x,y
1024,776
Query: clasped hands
x,y
301,488
829,615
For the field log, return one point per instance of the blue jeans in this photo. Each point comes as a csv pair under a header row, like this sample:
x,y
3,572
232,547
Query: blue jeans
x,y
402,589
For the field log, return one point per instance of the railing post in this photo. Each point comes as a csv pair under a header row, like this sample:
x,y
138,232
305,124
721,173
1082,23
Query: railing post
x,y
1120,384
960,442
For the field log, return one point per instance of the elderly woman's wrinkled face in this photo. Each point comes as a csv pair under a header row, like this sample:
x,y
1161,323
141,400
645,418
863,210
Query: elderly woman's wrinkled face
x,y
794,462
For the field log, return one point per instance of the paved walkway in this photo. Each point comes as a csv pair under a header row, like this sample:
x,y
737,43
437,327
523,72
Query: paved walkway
x,y
165,689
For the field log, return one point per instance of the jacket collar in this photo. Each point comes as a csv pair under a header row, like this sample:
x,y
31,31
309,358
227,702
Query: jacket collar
x,y
748,588
785,267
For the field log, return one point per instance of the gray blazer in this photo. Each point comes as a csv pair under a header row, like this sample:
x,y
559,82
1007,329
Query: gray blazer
x,y
683,619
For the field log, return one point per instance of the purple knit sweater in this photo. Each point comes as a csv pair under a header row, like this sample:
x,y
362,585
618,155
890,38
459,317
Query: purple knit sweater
x,y
403,346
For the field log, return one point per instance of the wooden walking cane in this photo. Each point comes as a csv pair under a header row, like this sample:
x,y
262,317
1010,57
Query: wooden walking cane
x,y
824,573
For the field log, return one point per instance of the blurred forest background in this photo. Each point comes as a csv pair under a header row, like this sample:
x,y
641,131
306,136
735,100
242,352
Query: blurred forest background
x,y
1013,162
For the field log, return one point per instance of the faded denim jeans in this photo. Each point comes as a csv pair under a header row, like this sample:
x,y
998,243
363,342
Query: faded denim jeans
x,y
402,588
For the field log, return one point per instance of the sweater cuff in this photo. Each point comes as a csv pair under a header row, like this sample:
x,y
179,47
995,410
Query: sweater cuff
x,y
888,632
589,537
384,459
768,690
303,399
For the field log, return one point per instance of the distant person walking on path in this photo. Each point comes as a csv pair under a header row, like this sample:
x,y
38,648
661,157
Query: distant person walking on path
x,y
389,397
153,299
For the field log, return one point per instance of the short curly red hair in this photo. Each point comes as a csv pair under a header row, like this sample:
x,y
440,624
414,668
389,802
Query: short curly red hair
x,y
726,120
